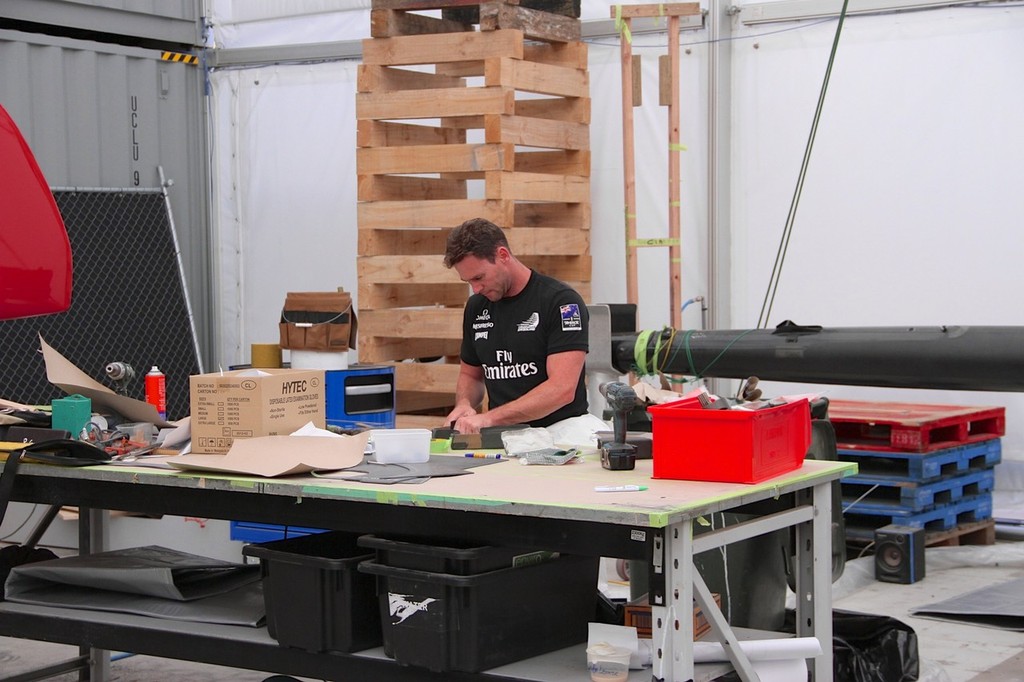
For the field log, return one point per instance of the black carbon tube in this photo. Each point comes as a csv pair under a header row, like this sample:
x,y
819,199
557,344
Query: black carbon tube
x,y
947,357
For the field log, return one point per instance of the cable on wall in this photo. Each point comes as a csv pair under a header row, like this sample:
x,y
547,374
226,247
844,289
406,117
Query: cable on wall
x,y
787,231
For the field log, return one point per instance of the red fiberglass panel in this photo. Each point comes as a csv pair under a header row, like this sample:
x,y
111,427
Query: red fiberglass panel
x,y
35,255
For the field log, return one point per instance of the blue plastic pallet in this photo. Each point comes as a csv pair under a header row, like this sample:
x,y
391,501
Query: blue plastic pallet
x,y
943,517
923,466
896,496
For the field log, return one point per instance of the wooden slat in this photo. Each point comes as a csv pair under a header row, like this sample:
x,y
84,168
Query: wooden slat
x,y
408,187
426,323
463,122
461,69
569,55
535,24
416,421
679,9
381,349
391,134
384,296
452,158
376,78
564,268
432,377
574,109
403,270
543,79
536,132
569,8
384,242
560,162
451,47
548,241
385,23
536,187
436,404
444,213
574,216
438,103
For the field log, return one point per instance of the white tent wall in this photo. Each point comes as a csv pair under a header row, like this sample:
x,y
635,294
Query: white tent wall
x,y
908,214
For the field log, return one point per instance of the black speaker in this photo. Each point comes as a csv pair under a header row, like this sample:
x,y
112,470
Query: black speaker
x,y
899,554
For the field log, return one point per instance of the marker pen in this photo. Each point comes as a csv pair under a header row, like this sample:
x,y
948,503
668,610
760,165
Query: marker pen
x,y
483,455
619,488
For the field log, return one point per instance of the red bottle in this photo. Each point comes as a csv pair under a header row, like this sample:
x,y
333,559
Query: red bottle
x,y
156,391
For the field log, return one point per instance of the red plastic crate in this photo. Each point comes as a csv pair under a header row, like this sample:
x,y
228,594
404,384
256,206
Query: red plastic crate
x,y
732,446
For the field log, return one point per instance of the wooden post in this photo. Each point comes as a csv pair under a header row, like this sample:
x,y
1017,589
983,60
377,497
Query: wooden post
x,y
628,162
669,96
675,299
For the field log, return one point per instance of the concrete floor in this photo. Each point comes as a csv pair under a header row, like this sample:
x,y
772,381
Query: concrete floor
x,y
949,652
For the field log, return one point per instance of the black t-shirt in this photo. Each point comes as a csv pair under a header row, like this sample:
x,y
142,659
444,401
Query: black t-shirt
x,y
512,338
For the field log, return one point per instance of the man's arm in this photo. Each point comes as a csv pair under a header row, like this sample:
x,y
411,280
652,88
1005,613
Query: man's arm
x,y
469,393
559,389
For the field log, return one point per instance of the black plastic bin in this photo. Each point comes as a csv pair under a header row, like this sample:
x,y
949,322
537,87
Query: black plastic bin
x,y
315,597
448,555
470,623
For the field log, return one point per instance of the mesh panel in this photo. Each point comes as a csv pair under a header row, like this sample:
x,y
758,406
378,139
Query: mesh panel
x,y
127,302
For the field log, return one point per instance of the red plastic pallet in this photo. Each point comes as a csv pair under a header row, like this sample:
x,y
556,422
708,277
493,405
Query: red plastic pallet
x,y
912,427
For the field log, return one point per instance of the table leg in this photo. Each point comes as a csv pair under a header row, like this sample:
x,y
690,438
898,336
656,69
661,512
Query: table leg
x,y
814,578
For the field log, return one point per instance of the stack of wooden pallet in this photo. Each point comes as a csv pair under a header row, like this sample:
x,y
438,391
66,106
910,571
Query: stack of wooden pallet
x,y
921,466
465,109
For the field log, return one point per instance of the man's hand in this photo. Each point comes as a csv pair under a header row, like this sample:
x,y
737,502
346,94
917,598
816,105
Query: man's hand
x,y
472,423
459,412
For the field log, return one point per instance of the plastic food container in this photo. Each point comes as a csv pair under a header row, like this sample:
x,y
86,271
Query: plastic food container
x,y
401,446
608,663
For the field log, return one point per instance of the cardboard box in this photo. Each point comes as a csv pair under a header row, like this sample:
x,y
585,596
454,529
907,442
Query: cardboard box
x,y
318,320
638,615
240,404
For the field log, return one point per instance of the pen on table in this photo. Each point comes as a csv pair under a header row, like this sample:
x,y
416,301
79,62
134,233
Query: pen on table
x,y
483,455
619,488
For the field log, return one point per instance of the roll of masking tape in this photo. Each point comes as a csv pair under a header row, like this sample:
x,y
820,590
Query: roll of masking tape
x,y
267,355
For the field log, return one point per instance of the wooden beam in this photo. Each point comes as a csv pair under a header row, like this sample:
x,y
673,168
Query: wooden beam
x,y
409,187
574,216
536,187
534,132
678,9
382,349
573,109
543,79
568,162
371,133
451,158
377,78
535,24
387,296
448,47
403,270
386,23
415,104
420,323
430,214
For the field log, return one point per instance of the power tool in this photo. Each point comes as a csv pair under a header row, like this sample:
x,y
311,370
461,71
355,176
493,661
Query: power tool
x,y
619,455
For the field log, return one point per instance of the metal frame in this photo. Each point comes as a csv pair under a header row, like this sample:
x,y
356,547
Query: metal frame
x,y
801,501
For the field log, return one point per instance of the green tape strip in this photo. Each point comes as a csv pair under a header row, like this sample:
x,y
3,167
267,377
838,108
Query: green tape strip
x,y
678,147
655,241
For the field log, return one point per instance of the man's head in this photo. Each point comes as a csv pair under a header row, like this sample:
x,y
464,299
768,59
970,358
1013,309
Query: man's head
x,y
475,237
478,250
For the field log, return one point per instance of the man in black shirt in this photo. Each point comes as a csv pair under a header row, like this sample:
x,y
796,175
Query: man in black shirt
x,y
524,337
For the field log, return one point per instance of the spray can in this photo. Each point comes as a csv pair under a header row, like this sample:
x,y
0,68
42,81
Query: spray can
x,y
156,391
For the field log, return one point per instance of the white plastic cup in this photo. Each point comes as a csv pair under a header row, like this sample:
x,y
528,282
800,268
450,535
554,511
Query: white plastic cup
x,y
607,663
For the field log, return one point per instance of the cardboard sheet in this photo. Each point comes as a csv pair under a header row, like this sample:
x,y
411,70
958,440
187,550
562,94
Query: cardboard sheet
x,y
63,374
271,456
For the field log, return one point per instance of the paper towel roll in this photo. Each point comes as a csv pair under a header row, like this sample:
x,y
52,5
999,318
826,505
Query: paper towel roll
x,y
266,355
317,359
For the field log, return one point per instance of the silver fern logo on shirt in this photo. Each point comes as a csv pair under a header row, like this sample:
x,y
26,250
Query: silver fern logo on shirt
x,y
529,324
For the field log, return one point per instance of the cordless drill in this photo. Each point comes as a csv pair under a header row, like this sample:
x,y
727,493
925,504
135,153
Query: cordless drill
x,y
621,398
